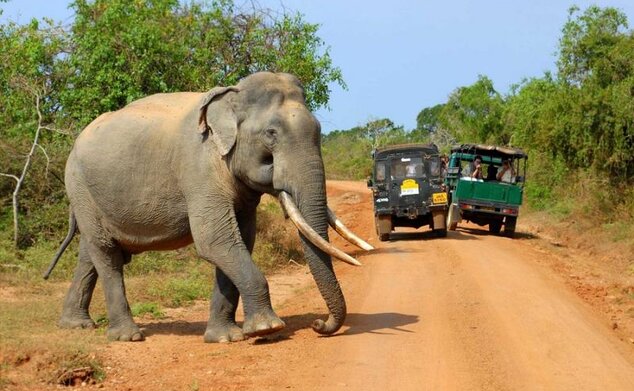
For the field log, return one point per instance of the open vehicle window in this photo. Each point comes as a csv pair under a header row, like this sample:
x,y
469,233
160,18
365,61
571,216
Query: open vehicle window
x,y
434,166
407,167
380,171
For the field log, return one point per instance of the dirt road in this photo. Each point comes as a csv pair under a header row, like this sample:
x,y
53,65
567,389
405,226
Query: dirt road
x,y
468,312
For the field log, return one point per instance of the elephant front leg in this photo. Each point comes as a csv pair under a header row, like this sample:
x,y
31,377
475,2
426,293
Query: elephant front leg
x,y
75,312
222,325
236,275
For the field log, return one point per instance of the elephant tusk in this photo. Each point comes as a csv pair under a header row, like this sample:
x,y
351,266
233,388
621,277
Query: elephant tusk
x,y
342,230
303,227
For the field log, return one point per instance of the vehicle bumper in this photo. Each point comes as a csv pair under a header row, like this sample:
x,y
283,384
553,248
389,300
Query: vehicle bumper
x,y
488,208
410,212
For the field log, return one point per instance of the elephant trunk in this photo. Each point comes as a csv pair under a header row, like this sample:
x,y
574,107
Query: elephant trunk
x,y
309,194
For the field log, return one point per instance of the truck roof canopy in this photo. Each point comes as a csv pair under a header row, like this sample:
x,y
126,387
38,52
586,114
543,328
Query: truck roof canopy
x,y
490,150
430,149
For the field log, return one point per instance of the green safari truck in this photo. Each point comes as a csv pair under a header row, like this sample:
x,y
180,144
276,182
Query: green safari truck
x,y
486,186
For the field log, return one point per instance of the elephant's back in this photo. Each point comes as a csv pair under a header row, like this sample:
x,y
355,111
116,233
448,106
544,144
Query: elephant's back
x,y
123,167
147,129
158,114
172,105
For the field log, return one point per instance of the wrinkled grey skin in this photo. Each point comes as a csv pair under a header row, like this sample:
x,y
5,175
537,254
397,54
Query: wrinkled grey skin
x,y
170,169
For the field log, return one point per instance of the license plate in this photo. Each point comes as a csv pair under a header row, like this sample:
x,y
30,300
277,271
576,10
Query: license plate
x,y
409,187
439,198
492,209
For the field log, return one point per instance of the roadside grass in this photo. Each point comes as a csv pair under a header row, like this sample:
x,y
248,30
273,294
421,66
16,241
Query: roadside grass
x,y
153,310
587,205
31,342
34,350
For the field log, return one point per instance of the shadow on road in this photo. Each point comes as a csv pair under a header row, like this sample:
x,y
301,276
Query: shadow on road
x,y
381,323
174,327
393,250
484,232
425,235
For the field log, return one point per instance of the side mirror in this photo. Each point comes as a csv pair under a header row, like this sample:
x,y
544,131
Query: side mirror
x,y
370,183
519,179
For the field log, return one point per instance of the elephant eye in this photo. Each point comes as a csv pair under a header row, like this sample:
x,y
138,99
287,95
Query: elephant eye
x,y
270,136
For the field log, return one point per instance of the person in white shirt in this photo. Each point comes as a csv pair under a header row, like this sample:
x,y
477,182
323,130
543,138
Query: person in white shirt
x,y
411,170
506,172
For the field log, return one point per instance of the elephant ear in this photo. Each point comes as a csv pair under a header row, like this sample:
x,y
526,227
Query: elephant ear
x,y
218,117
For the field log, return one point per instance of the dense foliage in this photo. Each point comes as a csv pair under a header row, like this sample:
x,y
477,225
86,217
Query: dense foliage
x,y
116,51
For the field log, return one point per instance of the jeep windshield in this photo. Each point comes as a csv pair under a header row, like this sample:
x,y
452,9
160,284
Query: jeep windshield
x,y
415,167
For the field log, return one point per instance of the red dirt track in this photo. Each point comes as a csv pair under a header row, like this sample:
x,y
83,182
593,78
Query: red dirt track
x,y
468,312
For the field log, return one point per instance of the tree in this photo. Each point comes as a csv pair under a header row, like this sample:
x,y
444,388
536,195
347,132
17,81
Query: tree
x,y
382,131
596,71
123,50
474,113
29,76
428,120
587,39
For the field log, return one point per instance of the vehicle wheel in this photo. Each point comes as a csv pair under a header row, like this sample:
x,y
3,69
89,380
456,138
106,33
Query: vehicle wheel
x,y
383,227
509,226
440,233
495,227
450,217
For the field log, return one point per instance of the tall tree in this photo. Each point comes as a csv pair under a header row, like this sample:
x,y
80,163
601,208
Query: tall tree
x,y
587,39
474,113
596,70
127,49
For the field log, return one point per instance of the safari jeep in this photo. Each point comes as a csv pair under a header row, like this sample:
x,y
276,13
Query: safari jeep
x,y
408,189
494,199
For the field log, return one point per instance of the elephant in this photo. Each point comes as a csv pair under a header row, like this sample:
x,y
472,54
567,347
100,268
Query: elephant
x,y
173,169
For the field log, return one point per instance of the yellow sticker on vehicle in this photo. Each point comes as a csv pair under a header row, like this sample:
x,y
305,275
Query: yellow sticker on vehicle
x,y
409,187
439,198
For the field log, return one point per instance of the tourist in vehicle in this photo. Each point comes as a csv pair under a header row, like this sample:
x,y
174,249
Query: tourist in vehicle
x,y
476,170
506,173
411,170
444,163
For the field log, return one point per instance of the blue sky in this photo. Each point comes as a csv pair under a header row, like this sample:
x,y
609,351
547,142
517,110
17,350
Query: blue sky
x,y
400,56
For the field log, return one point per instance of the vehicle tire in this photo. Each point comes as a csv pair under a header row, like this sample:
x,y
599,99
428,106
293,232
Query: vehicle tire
x,y
383,227
440,233
509,226
451,226
495,227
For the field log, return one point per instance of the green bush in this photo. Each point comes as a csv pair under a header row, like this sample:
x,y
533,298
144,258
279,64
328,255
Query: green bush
x,y
179,291
152,309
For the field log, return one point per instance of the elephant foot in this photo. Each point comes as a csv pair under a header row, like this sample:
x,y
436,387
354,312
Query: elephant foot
x,y
262,324
223,333
126,333
76,322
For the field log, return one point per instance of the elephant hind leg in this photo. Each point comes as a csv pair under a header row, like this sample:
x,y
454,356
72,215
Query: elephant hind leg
x,y
109,263
75,313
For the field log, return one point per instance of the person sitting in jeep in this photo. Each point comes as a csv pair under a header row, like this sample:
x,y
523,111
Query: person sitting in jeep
x,y
476,172
506,172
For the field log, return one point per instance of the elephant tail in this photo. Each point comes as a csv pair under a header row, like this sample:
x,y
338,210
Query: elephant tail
x,y
72,229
